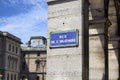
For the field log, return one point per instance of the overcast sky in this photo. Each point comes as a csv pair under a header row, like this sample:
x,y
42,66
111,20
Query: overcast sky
x,y
24,18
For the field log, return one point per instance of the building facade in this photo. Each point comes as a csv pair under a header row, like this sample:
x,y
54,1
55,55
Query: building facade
x,y
96,56
64,21
9,56
33,59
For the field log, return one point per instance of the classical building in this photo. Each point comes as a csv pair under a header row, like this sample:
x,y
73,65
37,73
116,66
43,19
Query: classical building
x,y
33,59
9,56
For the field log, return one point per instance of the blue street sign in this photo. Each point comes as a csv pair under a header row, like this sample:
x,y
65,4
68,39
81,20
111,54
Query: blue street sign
x,y
64,39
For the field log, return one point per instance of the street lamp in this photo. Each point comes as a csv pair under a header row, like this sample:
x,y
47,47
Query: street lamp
x,y
41,62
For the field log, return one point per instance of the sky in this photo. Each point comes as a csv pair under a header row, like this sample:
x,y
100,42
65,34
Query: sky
x,y
24,18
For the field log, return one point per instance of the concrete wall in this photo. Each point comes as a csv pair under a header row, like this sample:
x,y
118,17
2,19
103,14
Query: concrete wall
x,y
65,63
96,56
113,54
97,43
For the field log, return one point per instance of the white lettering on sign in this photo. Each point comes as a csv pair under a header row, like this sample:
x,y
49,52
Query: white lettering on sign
x,y
52,42
62,36
63,41
57,41
67,40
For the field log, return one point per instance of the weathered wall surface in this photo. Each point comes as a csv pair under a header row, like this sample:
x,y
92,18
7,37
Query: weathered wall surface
x,y
96,41
113,45
96,53
65,63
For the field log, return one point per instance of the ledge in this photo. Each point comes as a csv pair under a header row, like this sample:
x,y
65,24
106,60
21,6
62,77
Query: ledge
x,y
33,49
114,39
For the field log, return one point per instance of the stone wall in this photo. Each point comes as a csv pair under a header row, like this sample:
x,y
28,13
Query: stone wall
x,y
65,63
113,54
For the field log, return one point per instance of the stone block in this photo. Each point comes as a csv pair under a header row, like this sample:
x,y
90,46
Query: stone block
x,y
96,60
96,74
68,8
65,50
64,23
113,74
64,67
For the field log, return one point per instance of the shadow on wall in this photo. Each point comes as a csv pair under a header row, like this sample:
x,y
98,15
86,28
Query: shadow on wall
x,y
99,29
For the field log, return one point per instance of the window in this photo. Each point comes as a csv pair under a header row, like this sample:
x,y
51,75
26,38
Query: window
x,y
16,49
16,62
8,76
13,63
38,54
37,78
24,54
11,77
23,65
15,77
24,78
8,61
9,47
33,41
37,64
13,48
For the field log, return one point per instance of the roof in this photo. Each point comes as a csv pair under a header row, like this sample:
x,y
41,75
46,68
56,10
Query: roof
x,y
52,2
6,34
37,37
